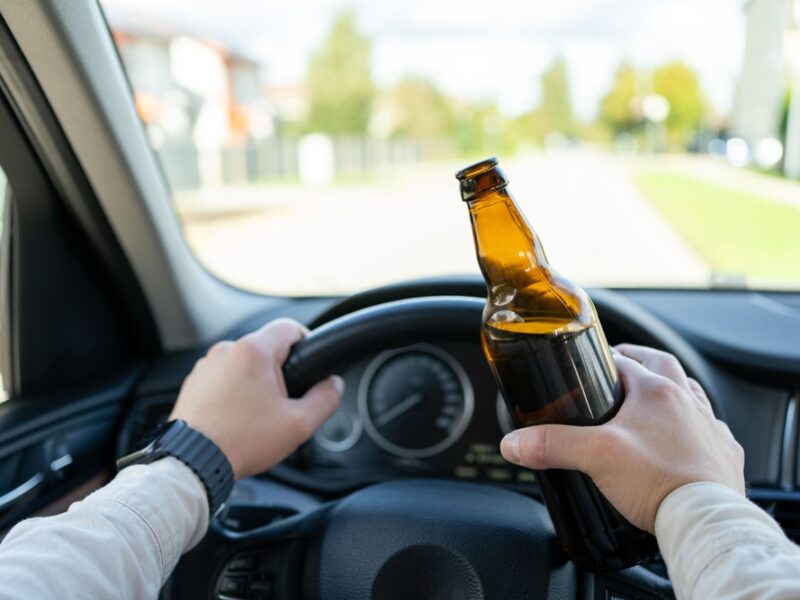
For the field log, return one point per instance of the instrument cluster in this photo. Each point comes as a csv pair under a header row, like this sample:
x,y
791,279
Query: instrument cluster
x,y
423,410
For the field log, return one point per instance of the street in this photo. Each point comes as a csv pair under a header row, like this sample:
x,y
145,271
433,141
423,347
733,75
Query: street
x,y
286,239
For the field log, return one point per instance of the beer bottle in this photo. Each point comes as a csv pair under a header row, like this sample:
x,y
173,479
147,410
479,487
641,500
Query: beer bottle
x,y
548,353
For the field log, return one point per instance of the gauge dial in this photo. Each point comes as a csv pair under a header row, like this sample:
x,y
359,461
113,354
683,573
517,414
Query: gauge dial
x,y
341,431
415,402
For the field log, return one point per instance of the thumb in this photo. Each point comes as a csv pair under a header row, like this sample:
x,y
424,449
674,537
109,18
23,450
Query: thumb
x,y
548,447
320,402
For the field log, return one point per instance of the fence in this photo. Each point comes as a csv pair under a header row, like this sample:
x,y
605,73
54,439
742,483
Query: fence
x,y
279,159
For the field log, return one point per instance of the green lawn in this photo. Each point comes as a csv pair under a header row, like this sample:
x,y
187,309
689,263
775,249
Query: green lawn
x,y
734,232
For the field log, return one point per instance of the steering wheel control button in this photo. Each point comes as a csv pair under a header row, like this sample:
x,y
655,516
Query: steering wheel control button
x,y
253,575
262,589
415,402
242,564
233,586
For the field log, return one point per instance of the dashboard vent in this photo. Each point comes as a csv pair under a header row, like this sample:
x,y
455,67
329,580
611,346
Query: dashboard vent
x,y
786,512
143,424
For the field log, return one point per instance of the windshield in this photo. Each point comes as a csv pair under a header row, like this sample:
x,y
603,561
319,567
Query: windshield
x,y
311,146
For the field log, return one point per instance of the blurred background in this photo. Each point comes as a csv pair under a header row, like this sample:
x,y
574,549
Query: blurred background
x,y
311,146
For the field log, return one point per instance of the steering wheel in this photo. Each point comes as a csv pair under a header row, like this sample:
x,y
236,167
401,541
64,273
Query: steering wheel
x,y
416,538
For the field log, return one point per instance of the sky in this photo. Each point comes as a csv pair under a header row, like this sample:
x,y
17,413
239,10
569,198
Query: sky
x,y
478,50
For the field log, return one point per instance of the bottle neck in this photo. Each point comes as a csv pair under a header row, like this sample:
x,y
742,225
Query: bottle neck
x,y
509,252
525,294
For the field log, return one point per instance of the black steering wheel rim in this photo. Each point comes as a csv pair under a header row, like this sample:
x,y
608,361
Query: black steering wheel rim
x,y
408,321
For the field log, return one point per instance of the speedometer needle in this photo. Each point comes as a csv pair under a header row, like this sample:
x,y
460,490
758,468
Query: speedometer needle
x,y
399,409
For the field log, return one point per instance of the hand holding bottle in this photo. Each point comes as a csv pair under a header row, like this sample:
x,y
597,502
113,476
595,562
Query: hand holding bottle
x,y
664,436
549,356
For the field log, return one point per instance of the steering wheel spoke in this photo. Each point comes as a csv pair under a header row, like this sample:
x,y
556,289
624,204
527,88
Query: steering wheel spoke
x,y
262,563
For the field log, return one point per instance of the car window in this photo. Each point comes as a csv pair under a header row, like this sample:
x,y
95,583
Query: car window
x,y
311,148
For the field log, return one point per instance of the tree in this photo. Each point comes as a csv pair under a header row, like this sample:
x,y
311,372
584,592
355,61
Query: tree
x,y
479,129
617,108
339,81
681,87
419,109
555,110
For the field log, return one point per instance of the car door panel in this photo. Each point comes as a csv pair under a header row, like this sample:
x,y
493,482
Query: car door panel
x,y
49,447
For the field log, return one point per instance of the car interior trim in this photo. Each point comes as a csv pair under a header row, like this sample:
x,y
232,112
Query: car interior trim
x,y
789,444
60,166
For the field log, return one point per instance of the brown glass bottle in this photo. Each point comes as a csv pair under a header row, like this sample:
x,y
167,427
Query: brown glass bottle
x,y
551,361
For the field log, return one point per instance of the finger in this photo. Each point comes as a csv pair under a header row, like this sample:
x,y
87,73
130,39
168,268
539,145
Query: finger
x,y
635,377
550,447
277,337
318,404
661,363
700,393
219,348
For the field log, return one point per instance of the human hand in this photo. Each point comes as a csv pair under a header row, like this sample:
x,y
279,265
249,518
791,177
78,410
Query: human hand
x,y
237,397
664,436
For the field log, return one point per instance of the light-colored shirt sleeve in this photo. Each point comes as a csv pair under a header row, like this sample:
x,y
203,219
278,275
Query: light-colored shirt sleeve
x,y
122,541
717,544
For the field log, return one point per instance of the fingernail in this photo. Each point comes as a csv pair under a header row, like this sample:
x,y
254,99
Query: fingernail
x,y
509,446
338,384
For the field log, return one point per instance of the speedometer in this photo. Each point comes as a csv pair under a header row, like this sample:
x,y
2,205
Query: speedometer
x,y
415,402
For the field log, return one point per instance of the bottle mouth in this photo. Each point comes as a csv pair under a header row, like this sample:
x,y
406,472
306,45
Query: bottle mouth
x,y
479,168
480,179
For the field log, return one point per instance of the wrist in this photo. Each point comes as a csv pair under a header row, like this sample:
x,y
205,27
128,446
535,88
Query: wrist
x,y
687,492
195,450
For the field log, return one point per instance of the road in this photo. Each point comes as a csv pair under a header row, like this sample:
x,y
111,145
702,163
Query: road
x,y
594,224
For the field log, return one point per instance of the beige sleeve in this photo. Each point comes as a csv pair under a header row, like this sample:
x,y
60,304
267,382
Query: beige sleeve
x,y
717,544
123,541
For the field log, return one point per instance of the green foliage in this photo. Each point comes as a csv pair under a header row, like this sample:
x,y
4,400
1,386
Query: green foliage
x,y
554,113
783,127
617,107
419,109
620,108
480,129
678,83
339,81
555,110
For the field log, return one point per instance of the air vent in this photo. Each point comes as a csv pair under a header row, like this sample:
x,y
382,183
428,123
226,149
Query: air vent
x,y
786,511
143,423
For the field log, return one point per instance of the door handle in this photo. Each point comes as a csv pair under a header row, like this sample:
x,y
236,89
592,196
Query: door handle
x,y
19,493
59,464
35,483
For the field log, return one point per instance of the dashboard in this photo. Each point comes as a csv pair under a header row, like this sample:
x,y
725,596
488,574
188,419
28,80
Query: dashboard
x,y
432,410
426,410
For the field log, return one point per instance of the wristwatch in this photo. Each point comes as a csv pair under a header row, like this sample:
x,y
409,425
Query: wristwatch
x,y
197,452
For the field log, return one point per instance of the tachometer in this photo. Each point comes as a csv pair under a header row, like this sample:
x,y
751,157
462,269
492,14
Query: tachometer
x,y
415,402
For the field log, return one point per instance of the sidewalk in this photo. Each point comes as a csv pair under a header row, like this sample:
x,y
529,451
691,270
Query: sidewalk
x,y
717,172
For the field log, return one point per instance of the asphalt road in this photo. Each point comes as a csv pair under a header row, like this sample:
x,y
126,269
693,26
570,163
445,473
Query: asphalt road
x,y
594,224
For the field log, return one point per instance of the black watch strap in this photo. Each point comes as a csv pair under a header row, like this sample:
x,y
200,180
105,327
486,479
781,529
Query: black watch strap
x,y
197,452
